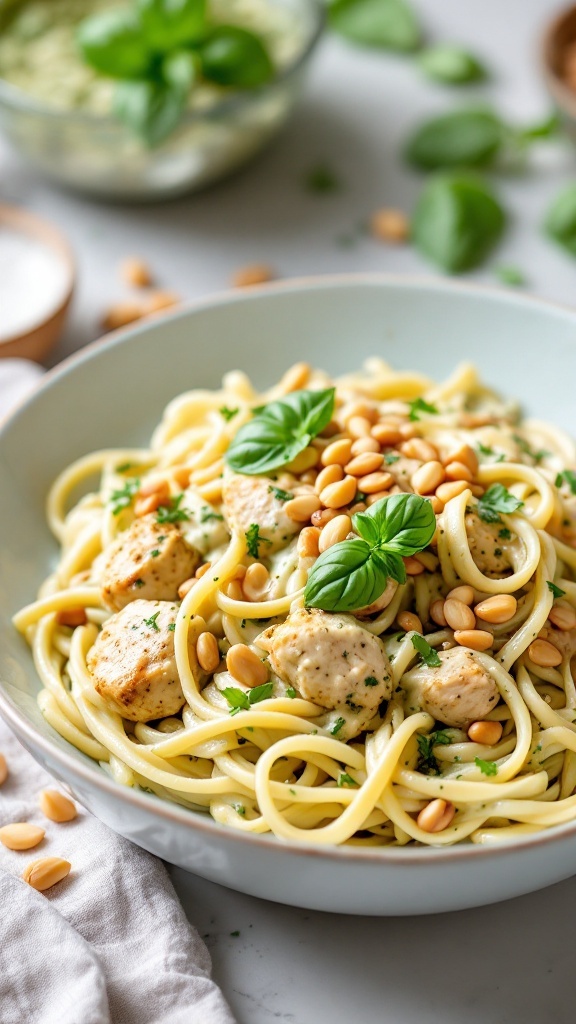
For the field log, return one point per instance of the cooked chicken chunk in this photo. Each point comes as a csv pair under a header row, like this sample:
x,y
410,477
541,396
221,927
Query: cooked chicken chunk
x,y
333,662
206,529
488,549
563,639
457,692
133,663
250,500
150,561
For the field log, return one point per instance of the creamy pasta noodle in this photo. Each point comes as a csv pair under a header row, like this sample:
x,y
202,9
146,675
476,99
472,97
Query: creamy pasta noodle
x,y
341,611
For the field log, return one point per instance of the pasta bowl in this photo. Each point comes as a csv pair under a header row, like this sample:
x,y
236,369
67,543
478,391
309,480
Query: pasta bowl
x,y
112,395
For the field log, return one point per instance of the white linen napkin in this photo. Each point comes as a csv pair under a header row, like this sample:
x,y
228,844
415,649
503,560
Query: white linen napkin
x,y
110,944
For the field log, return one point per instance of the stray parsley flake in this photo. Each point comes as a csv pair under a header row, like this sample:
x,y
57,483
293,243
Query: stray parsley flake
x,y
419,405
171,512
172,627
555,590
568,476
122,499
390,458
427,762
497,499
345,780
321,179
227,413
253,540
235,934
370,681
291,692
527,450
486,767
504,533
155,553
207,513
124,467
151,622
280,494
427,653
337,726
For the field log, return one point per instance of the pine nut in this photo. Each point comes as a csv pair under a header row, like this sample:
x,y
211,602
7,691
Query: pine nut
x,y
331,429
458,615
458,471
436,816
413,566
365,463
71,617
387,434
562,615
182,477
305,488
408,430
308,542
416,448
21,836
451,490
324,516
477,490
202,570
301,508
463,593
304,461
499,608
3,770
136,272
309,477
295,378
476,639
389,225
234,590
426,479
253,273
486,733
437,612
334,532
329,475
437,505
359,426
360,506
339,494
337,453
47,871
151,497
185,587
543,653
372,499
155,487
466,455
408,621
365,444
208,652
246,666
255,581
373,482
56,806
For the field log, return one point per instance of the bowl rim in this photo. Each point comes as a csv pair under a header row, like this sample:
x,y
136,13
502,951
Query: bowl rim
x,y
92,774
19,99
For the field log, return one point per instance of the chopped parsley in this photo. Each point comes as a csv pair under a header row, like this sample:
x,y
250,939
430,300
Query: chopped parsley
x,y
151,622
337,726
291,692
207,513
172,627
155,553
419,405
497,499
253,540
227,413
427,762
124,467
484,449
486,767
427,653
280,494
527,450
504,533
345,780
122,499
321,179
171,512
370,681
240,701
235,934
240,809
567,476
390,458
555,590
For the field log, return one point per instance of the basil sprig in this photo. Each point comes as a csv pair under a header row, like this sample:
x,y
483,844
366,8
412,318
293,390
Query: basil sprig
x,y
279,431
354,573
457,221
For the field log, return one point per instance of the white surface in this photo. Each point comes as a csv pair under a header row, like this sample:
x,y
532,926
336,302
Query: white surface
x,y
500,965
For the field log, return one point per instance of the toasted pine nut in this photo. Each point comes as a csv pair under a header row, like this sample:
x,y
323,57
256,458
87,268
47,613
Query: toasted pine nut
x,y
255,581
543,653
463,593
416,448
365,463
337,453
562,615
437,612
499,608
156,486
161,300
305,460
334,532
308,542
309,477
377,496
71,617
426,479
389,225
365,444
450,490
359,426
476,639
360,506
305,488
3,770
458,615
340,493
45,872
408,430
373,482
328,475
458,471
182,476
253,273
136,272
464,454
21,835
436,816
413,566
330,430
234,590
246,666
56,806
487,733
301,508
324,516
408,621
295,378
477,490
121,314
185,587
150,497
361,408
387,434
437,505
208,652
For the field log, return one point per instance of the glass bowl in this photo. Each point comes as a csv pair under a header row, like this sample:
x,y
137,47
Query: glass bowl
x,y
98,155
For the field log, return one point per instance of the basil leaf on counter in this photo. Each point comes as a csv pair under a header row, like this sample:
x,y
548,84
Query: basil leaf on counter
x,y
451,65
279,431
457,221
463,138
112,43
389,24
497,499
560,221
231,56
167,24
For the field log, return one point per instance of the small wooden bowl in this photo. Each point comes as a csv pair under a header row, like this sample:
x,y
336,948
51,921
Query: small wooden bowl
x,y
37,342
559,37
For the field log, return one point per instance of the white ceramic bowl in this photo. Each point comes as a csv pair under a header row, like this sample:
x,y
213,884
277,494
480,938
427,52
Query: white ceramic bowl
x,y
113,393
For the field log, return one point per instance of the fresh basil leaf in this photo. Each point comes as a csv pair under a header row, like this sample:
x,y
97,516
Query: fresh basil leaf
x,y
557,591
167,24
233,57
418,405
113,44
389,24
451,65
344,578
486,767
280,431
237,699
560,221
152,110
497,499
403,524
258,693
457,222
429,656
567,476
462,139
179,71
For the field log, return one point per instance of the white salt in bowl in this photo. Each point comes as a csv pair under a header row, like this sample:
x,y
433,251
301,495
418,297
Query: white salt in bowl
x,y
37,277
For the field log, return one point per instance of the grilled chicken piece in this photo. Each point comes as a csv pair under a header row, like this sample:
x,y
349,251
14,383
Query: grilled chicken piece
x,y
250,500
457,692
149,560
490,551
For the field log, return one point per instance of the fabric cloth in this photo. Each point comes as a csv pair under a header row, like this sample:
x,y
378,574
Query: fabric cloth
x,y
110,944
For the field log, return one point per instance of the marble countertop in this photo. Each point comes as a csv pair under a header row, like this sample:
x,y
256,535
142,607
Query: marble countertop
x,y
502,964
